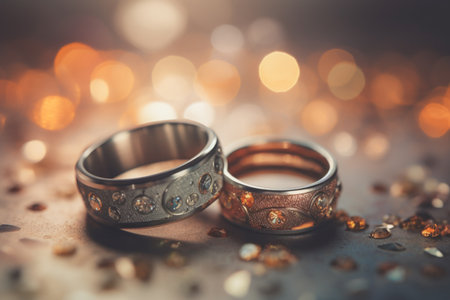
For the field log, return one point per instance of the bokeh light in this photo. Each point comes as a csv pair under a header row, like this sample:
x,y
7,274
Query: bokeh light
x,y
53,112
156,111
329,59
376,145
218,82
2,121
346,81
173,78
8,94
111,81
34,151
73,66
345,144
34,85
386,91
150,24
318,117
434,120
227,39
265,34
279,71
201,112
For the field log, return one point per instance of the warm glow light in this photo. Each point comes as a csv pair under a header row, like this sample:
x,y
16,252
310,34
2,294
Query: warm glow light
x,y
387,91
173,78
73,66
318,117
345,144
218,82
8,94
376,145
156,111
150,24
2,121
330,59
201,112
34,85
111,81
279,71
227,39
346,81
265,34
34,151
434,120
53,112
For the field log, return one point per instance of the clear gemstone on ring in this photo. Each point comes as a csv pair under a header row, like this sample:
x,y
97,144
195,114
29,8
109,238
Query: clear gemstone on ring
x,y
118,198
192,199
144,205
205,183
95,202
114,213
174,203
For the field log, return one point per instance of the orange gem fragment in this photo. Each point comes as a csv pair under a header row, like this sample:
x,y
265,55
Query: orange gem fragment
x,y
431,231
356,223
247,199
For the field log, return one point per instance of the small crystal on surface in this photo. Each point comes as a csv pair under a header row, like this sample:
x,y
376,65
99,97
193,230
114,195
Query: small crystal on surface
x,y
433,271
217,232
215,187
344,264
247,199
380,233
37,206
356,223
392,247
431,230
249,251
8,228
414,223
238,284
277,256
64,248
396,274
433,251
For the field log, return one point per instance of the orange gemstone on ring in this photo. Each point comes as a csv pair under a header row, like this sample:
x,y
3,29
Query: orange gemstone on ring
x,y
247,199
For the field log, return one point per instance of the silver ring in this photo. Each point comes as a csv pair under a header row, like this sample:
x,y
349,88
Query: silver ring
x,y
280,211
158,198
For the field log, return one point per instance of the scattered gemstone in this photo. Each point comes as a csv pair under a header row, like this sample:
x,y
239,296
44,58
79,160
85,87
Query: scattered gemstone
x,y
392,220
175,260
215,188
445,229
144,205
124,267
15,188
64,248
247,199
95,202
379,188
118,198
433,251
192,199
276,218
174,203
277,256
114,213
218,232
8,228
414,223
433,271
344,264
386,267
356,223
205,183
218,165
341,216
431,231
37,206
238,284
380,233
396,247
249,252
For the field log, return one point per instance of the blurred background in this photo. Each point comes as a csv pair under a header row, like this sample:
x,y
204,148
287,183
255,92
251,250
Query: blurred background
x,y
369,80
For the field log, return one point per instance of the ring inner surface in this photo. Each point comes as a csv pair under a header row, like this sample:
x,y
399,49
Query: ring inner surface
x,y
144,146
285,163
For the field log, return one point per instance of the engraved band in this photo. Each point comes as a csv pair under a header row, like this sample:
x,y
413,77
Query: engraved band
x,y
158,198
280,211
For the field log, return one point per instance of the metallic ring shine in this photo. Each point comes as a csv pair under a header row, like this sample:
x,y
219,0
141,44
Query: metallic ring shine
x,y
158,198
280,211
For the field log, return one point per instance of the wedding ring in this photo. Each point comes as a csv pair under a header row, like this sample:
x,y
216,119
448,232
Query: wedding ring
x,y
158,198
280,211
